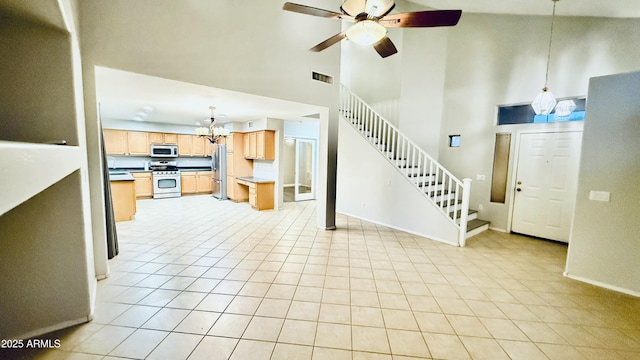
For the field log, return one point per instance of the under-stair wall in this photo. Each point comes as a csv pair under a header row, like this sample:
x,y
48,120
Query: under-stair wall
x,y
370,188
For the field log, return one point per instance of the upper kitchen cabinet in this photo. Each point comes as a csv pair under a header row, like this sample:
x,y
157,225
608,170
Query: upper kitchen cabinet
x,y
122,142
185,145
192,145
170,138
115,142
260,145
156,138
138,142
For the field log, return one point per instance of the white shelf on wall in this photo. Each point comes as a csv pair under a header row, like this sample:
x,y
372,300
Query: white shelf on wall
x,y
28,169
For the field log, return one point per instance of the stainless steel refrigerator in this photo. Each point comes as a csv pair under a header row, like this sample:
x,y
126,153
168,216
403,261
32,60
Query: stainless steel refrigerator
x,y
219,168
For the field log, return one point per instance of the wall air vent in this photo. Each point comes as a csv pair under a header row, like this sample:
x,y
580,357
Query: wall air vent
x,y
322,77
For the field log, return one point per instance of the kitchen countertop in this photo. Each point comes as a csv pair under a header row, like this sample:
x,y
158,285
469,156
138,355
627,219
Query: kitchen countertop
x,y
256,180
120,176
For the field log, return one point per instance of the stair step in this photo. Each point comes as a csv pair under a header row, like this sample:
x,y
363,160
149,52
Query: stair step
x,y
471,215
476,226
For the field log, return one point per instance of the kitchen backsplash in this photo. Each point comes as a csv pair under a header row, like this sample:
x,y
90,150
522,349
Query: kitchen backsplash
x,y
139,162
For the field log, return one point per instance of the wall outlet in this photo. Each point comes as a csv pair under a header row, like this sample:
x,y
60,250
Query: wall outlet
x,y
599,195
480,177
480,207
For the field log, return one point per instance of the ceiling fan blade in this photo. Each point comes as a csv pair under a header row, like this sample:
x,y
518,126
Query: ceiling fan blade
x,y
330,41
429,18
308,10
385,47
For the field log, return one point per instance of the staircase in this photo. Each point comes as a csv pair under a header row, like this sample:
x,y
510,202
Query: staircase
x,y
441,188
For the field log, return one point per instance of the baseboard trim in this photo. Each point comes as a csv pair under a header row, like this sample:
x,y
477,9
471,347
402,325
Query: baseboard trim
x,y
401,229
498,229
56,327
602,285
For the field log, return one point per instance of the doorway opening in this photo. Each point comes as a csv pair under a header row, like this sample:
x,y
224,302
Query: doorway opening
x,y
300,169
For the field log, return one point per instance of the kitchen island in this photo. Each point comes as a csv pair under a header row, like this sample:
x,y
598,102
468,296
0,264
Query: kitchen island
x,y
123,195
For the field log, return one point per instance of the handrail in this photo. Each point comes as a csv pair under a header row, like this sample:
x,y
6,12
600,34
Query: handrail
x,y
439,185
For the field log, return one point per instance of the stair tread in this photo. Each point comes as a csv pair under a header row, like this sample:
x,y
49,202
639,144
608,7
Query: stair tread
x,y
476,223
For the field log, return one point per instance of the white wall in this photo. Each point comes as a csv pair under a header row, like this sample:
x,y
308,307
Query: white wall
x,y
498,59
604,247
371,188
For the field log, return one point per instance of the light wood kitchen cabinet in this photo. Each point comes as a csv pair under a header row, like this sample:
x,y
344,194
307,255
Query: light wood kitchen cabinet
x,y
143,184
196,182
260,192
229,141
138,143
260,145
250,145
208,147
156,138
123,197
185,145
170,138
198,145
237,166
188,182
115,142
204,180
193,145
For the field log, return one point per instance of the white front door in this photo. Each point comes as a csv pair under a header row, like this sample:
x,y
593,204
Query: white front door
x,y
546,184
305,170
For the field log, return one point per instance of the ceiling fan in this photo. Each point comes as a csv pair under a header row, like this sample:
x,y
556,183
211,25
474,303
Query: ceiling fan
x,y
372,19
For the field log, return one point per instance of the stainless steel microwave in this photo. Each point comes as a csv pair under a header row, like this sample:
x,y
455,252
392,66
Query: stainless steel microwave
x,y
164,150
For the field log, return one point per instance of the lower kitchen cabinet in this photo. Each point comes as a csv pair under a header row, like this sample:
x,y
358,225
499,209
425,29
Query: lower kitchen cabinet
x,y
204,182
143,184
195,182
123,197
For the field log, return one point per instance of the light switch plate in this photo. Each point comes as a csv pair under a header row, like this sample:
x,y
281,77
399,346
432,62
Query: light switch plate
x,y
599,195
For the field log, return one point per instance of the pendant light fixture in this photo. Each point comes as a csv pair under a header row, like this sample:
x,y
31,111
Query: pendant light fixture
x,y
544,102
212,133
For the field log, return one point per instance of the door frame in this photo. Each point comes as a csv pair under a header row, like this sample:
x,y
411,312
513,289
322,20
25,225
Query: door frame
x,y
511,181
314,168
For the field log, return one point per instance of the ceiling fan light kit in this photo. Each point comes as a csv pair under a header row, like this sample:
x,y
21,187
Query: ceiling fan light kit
x,y
366,32
371,22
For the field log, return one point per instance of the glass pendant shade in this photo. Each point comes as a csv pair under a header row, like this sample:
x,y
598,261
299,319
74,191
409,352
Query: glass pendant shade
x,y
544,102
366,32
565,107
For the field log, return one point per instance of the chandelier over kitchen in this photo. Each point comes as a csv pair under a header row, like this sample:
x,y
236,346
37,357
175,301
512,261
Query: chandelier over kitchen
x,y
212,133
544,102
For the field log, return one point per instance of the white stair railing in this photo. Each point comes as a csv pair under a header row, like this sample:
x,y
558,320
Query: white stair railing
x,y
442,188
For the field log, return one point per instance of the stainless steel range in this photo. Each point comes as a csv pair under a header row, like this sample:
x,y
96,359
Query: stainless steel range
x,y
166,179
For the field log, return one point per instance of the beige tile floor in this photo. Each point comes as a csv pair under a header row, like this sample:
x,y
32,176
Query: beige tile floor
x,y
198,278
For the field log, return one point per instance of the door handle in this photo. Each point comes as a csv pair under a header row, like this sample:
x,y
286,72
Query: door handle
x,y
518,189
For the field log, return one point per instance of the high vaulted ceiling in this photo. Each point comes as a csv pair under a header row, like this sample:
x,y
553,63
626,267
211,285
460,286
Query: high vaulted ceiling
x,y
596,8
123,95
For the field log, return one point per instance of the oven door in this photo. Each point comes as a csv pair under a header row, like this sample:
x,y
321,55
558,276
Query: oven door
x,y
166,185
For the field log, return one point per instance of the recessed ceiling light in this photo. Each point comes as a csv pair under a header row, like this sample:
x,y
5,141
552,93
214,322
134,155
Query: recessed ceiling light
x,y
138,118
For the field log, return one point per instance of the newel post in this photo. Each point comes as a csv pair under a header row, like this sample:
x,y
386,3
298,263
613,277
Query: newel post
x,y
464,214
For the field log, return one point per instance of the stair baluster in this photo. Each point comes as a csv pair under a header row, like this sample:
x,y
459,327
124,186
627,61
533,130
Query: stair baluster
x,y
441,187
